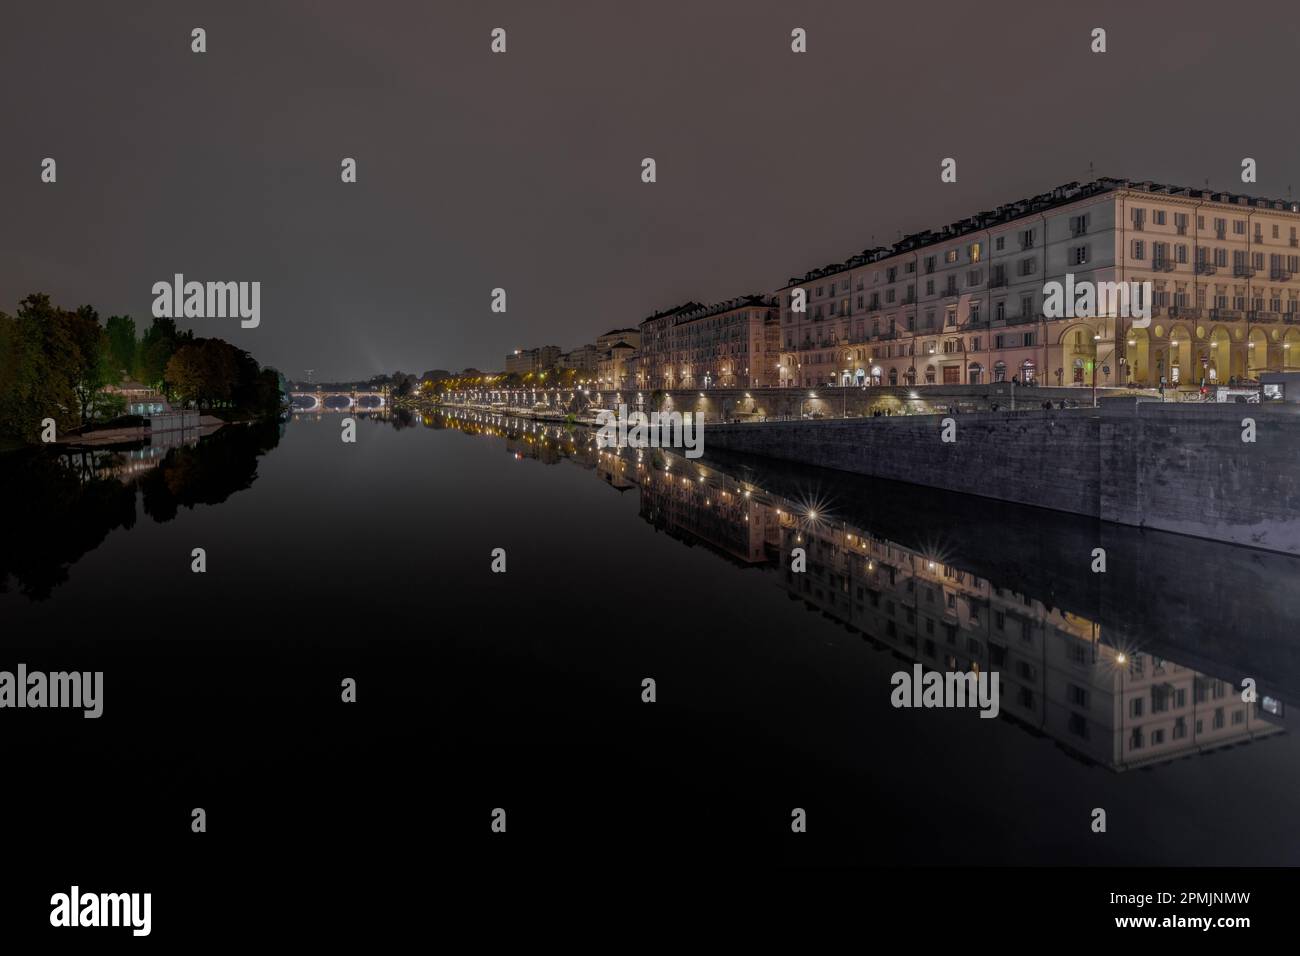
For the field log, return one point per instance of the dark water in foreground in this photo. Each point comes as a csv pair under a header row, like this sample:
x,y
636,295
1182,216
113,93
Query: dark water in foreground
x,y
523,690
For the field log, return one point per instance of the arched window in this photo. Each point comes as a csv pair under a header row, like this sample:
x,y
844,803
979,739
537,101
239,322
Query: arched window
x,y
893,376
999,371
1027,372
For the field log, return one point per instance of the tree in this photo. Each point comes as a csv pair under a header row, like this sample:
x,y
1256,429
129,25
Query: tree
x,y
121,342
184,373
93,366
39,359
157,345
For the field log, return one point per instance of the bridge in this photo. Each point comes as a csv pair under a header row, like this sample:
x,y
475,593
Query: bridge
x,y
339,400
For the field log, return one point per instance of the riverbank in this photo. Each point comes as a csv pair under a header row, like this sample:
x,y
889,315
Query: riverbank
x,y
1221,472
113,437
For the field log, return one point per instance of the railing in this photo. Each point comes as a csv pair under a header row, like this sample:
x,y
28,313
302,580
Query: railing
x,y
1226,315
1162,265
1279,275
1184,312
998,281
1242,271
1206,268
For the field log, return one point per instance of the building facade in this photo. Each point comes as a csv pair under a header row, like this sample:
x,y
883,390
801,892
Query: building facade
x,y
523,361
966,304
730,344
631,336
614,368
583,358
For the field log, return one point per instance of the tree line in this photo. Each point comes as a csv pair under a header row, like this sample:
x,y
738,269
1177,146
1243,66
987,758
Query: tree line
x,y
59,363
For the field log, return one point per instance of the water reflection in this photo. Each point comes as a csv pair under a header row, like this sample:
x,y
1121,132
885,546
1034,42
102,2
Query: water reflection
x,y
1135,667
65,502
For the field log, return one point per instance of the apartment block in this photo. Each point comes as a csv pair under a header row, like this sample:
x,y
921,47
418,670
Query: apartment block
x,y
965,303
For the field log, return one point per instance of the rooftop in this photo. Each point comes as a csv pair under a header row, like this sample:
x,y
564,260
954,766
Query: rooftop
x,y
1060,196
728,305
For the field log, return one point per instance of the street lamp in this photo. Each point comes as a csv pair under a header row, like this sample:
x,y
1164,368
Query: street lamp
x,y
1095,339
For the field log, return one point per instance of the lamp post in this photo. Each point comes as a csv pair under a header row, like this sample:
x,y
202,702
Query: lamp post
x,y
1096,339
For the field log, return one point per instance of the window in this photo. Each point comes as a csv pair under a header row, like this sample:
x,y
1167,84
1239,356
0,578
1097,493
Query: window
x,y
950,255
1158,217
1139,249
975,252
1139,219
1079,255
1000,242
1026,240
1078,225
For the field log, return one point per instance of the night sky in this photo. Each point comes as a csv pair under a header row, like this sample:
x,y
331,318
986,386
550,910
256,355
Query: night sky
x,y
523,170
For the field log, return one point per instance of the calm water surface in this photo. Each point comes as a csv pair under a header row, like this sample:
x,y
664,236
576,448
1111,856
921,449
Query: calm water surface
x,y
523,690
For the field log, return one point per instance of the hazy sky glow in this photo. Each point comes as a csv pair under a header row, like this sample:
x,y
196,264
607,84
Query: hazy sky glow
x,y
522,170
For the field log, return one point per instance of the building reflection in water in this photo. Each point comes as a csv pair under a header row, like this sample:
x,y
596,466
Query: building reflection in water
x,y
1102,700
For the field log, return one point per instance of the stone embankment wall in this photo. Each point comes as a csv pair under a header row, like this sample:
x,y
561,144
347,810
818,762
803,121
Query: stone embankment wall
x,y
1176,467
